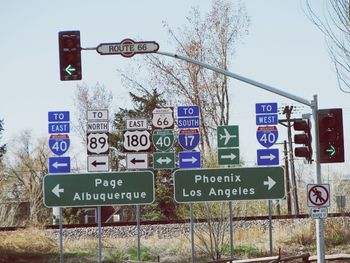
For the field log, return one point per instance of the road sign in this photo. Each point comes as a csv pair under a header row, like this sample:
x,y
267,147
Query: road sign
x,y
163,160
58,116
163,118
127,48
59,127
59,165
97,126
189,139
97,115
188,123
59,143
318,212
268,157
318,195
97,143
266,108
99,189
266,119
136,124
202,185
98,163
188,111
163,140
267,135
137,160
189,159
228,156
137,141
227,136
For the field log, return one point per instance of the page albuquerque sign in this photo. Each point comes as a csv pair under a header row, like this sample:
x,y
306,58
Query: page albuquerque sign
x,y
98,189
201,185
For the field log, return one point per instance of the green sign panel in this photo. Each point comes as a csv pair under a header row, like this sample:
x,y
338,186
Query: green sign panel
x,y
164,160
202,185
163,140
228,156
228,136
98,189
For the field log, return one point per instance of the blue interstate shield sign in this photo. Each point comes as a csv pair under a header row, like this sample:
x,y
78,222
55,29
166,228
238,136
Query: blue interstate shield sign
x,y
267,136
59,143
189,139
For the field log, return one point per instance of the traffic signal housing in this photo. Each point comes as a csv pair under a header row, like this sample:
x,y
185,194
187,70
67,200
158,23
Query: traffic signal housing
x,y
304,138
70,55
330,134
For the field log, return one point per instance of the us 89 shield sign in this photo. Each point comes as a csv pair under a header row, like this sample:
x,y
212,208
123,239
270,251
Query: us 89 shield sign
x,y
97,143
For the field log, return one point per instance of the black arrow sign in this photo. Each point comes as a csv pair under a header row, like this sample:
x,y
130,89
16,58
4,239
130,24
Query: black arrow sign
x,y
96,163
134,161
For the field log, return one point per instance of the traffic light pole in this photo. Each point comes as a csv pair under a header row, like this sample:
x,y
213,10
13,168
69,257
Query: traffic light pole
x,y
312,104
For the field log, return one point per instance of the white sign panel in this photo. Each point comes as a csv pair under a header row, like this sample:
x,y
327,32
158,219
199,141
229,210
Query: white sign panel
x,y
137,161
137,141
98,163
97,115
136,124
163,118
97,143
319,212
318,195
98,126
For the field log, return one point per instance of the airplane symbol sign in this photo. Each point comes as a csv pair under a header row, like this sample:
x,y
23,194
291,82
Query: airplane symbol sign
x,y
228,136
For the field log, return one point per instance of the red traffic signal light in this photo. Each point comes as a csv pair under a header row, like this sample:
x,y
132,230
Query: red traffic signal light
x,y
70,55
331,138
303,138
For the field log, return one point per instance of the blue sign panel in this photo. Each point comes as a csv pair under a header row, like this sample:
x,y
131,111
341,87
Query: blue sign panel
x,y
268,157
58,116
188,111
266,108
188,123
189,139
59,165
59,143
189,159
60,127
267,136
266,119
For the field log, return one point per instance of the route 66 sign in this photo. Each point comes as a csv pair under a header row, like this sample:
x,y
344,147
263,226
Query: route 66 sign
x,y
163,118
267,135
59,143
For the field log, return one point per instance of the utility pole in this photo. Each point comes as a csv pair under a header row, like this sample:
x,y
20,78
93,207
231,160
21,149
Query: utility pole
x,y
288,111
289,204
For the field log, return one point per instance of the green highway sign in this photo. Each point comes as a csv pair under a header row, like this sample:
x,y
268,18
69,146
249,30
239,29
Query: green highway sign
x,y
228,156
163,140
228,136
202,185
98,189
163,160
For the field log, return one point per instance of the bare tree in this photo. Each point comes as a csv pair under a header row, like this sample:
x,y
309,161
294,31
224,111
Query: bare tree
x,y
94,97
211,39
334,22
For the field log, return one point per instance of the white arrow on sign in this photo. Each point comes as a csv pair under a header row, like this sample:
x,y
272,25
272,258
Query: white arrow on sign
x,y
230,156
192,160
56,190
166,160
268,157
270,182
57,164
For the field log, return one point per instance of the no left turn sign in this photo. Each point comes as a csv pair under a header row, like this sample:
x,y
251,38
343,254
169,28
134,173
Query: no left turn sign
x,y
318,195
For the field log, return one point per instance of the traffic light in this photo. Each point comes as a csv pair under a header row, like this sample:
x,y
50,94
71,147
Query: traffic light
x,y
303,138
70,55
331,138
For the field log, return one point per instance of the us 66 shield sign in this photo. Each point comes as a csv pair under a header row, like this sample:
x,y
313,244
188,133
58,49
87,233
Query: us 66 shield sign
x,y
163,118
137,141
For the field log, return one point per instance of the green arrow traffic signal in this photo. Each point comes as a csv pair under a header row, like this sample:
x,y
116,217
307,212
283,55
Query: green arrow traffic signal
x,y
69,69
331,150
